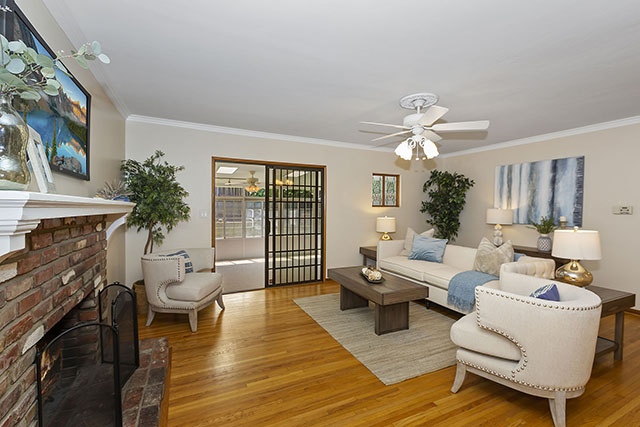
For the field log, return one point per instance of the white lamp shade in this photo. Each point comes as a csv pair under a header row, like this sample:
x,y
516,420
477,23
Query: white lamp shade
x,y
500,216
577,244
386,224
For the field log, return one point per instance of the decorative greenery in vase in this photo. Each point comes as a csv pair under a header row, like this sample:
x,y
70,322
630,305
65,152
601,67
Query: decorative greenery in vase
x,y
159,198
546,225
447,192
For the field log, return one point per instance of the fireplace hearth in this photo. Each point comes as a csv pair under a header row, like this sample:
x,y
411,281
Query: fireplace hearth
x,y
81,368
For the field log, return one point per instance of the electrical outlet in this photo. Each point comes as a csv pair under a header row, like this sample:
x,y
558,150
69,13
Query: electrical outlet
x,y
622,210
204,213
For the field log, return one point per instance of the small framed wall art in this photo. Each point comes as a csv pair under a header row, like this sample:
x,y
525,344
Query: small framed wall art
x,y
385,190
39,163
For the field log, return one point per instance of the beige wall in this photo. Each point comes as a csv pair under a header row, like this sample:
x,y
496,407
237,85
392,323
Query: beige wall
x,y
350,217
107,131
611,177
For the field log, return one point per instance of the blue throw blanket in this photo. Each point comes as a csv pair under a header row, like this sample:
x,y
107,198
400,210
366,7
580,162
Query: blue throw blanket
x,y
462,288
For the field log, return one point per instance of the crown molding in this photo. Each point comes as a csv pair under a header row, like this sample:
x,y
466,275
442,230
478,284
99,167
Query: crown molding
x,y
63,16
251,133
549,136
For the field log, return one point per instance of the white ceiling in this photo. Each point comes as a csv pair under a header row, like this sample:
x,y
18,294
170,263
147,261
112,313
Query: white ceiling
x,y
317,68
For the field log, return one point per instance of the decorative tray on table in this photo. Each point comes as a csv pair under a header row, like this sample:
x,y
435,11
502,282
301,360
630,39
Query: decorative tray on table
x,y
372,275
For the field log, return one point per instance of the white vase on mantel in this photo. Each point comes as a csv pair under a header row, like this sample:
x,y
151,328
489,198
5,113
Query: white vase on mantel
x,y
544,243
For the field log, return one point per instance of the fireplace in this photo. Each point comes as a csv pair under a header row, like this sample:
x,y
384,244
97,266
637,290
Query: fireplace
x,y
52,267
81,367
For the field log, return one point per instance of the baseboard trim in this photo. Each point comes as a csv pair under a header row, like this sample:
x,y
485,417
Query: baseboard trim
x,y
633,311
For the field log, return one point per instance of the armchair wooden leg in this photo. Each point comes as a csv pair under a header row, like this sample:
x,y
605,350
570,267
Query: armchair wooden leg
x,y
193,320
558,407
461,371
219,301
150,315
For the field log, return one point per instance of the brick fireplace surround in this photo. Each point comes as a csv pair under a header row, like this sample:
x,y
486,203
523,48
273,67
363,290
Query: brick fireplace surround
x,y
61,265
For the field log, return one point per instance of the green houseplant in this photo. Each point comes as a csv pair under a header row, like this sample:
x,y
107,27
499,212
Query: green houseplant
x,y
158,196
545,227
447,192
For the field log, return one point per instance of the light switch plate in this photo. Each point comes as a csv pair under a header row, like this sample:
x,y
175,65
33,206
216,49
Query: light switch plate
x,y
204,213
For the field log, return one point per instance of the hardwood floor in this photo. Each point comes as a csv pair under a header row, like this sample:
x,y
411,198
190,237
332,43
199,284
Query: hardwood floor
x,y
263,361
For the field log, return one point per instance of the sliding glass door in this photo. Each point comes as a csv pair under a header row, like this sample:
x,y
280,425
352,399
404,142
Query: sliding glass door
x,y
294,213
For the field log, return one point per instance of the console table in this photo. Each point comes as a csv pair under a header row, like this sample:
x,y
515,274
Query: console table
x,y
534,252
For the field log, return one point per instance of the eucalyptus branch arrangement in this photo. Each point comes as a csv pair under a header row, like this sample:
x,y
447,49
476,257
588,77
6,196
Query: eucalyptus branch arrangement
x,y
25,72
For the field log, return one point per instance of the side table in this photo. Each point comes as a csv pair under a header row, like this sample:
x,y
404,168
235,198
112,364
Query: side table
x,y
369,252
613,302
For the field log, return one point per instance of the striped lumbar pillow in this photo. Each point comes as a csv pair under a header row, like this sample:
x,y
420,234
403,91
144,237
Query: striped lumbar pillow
x,y
188,266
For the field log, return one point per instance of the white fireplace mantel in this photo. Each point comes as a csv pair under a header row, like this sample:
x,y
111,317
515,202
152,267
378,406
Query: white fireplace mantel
x,y
22,211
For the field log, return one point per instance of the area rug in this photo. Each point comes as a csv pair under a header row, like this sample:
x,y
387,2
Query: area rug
x,y
424,347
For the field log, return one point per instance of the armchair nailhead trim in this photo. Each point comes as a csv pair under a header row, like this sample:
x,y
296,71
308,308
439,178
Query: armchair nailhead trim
x,y
523,351
536,386
168,282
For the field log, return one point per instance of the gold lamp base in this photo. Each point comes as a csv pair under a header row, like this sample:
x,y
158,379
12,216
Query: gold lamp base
x,y
385,236
574,274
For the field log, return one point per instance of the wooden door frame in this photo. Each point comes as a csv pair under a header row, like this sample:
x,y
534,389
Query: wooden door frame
x,y
215,159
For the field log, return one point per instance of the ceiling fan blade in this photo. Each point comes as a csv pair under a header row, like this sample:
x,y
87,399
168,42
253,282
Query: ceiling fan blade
x,y
434,137
391,135
432,114
461,126
386,124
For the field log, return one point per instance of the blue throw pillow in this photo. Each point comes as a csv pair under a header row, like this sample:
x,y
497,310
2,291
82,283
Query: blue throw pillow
x,y
428,248
517,256
548,292
188,266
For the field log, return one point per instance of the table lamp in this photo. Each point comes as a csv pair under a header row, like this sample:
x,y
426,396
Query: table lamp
x,y
576,245
386,225
499,217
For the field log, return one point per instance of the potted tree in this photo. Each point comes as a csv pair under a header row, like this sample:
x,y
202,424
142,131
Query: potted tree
x,y
447,192
159,200
545,227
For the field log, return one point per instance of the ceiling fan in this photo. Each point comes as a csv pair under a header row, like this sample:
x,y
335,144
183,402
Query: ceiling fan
x,y
423,127
252,182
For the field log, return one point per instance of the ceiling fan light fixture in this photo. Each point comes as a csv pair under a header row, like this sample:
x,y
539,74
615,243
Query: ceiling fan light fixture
x,y
430,149
403,150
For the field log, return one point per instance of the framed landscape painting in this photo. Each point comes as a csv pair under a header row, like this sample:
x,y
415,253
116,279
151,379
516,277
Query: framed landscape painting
x,y
62,121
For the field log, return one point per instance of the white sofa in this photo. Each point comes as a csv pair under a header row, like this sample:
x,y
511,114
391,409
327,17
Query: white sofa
x,y
436,276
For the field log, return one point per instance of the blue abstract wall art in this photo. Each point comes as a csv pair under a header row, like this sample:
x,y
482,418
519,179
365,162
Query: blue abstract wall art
x,y
542,188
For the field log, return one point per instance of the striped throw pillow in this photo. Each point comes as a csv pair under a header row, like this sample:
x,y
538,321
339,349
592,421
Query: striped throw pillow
x,y
188,266
548,292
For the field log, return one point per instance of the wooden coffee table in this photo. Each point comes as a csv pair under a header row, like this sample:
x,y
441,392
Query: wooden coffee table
x,y
613,302
391,297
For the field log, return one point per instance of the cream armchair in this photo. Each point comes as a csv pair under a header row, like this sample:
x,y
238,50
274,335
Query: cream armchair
x,y
539,347
170,290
